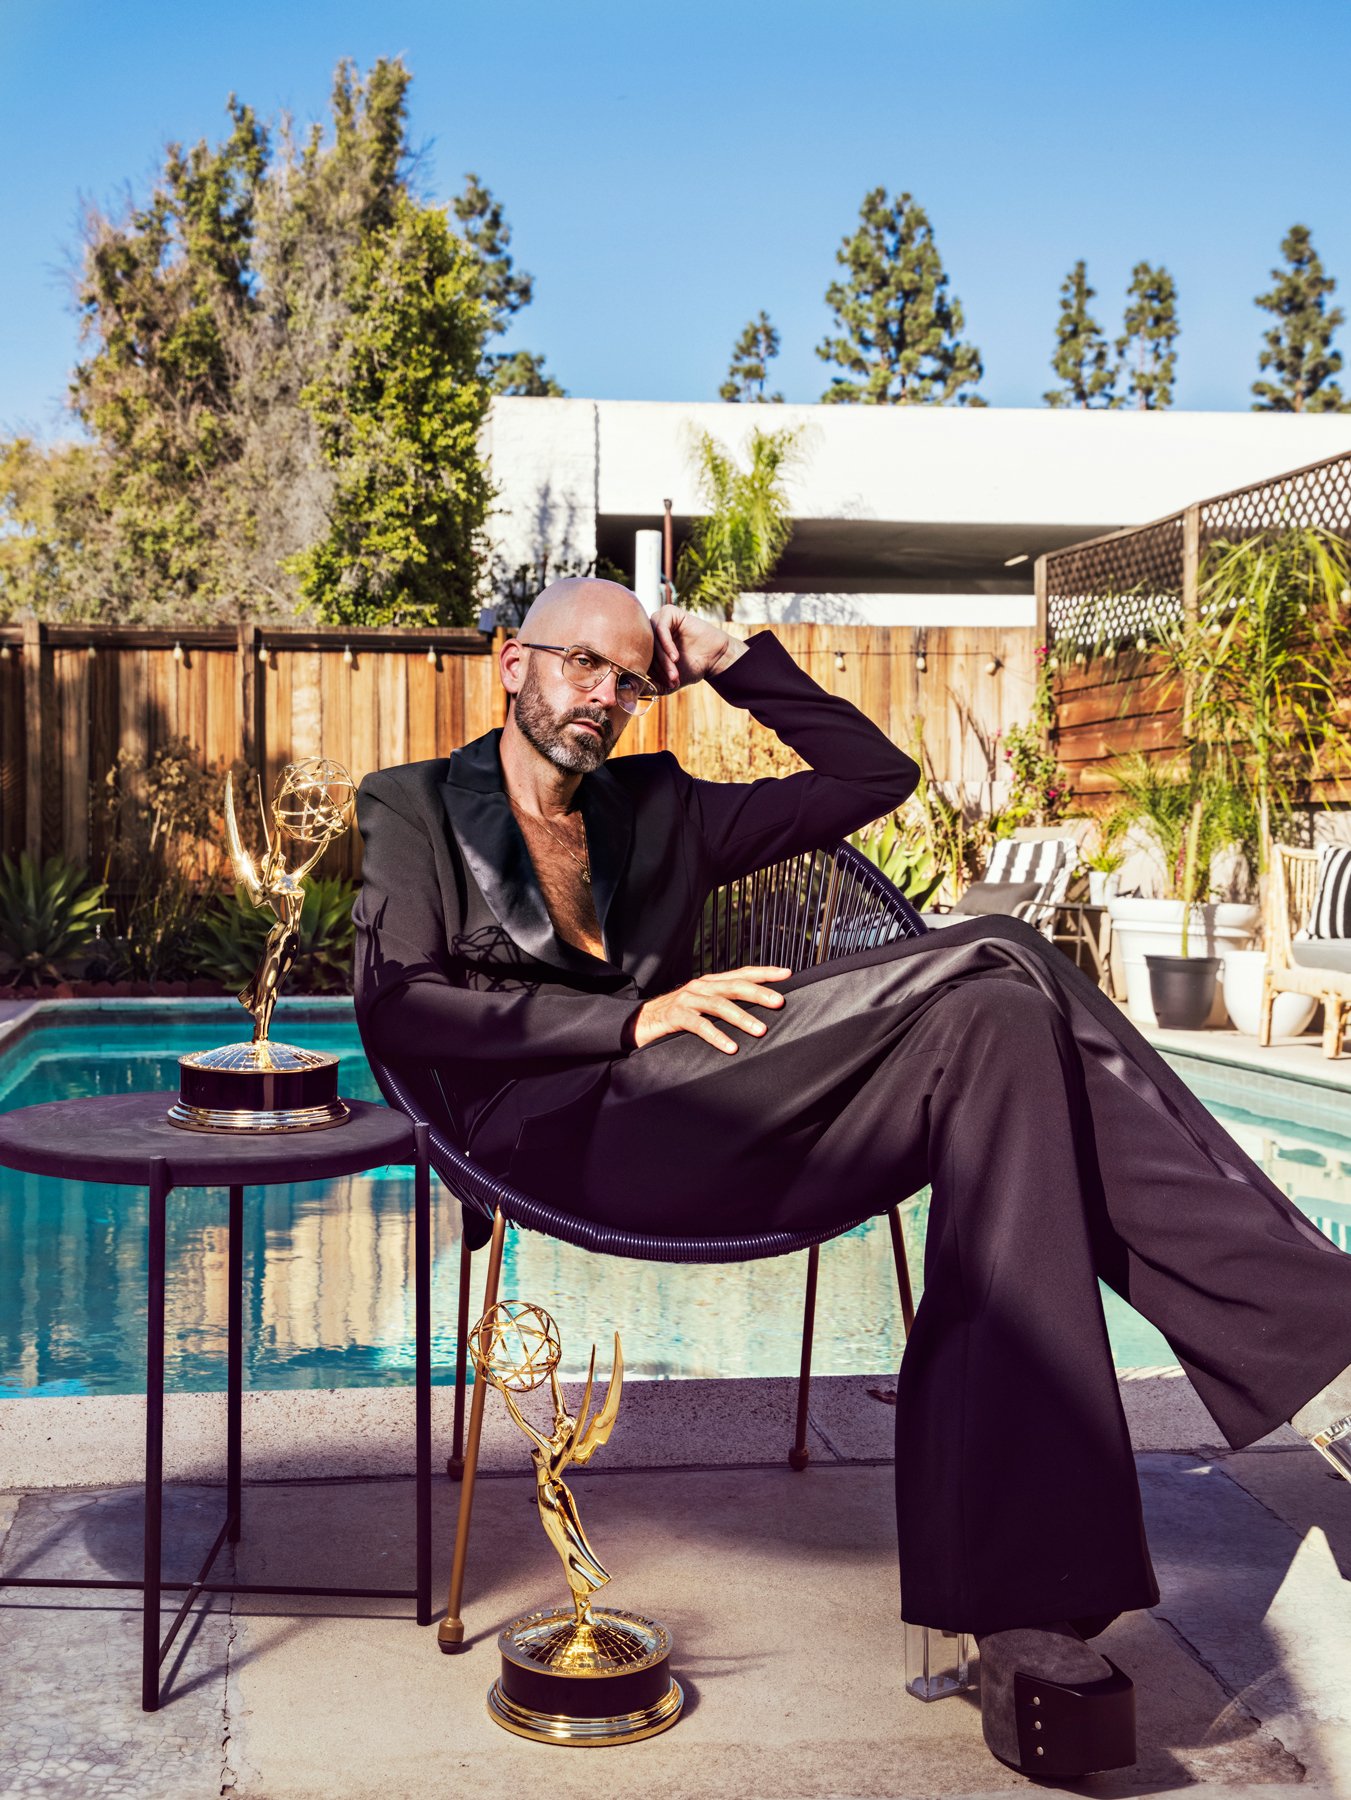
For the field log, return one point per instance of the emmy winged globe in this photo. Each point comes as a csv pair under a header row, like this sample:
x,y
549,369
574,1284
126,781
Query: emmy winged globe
x,y
261,1085
577,1674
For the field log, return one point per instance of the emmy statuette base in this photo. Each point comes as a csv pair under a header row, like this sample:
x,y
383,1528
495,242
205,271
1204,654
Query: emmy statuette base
x,y
257,1087
607,1681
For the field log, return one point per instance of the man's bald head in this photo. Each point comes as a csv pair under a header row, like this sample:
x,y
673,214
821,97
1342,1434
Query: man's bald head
x,y
603,615
547,712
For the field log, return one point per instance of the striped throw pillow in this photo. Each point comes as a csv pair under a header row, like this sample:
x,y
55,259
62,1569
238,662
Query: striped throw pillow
x,y
1051,862
1330,916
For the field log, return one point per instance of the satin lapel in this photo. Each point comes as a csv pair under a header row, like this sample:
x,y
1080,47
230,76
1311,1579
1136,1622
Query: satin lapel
x,y
494,850
607,813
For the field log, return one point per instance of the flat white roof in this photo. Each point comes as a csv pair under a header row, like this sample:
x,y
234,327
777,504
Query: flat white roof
x,y
931,464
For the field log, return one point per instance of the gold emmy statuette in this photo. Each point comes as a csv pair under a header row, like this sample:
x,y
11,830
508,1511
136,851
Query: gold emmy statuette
x,y
577,1675
262,1085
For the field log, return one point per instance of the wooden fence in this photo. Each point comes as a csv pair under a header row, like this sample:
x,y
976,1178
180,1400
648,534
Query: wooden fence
x,y
1096,599
71,697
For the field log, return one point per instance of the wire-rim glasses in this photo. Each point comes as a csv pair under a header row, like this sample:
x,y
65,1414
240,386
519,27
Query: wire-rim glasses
x,y
586,670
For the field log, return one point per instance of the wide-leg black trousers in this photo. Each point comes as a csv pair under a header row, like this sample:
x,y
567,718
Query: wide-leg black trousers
x,y
1060,1147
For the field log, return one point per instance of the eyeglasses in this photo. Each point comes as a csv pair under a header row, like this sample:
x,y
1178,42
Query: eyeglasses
x,y
586,670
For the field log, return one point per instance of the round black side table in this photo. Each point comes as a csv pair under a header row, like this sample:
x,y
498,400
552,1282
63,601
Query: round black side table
x,y
125,1139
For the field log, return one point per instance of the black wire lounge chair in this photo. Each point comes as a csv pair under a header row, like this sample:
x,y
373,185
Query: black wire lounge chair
x,y
806,910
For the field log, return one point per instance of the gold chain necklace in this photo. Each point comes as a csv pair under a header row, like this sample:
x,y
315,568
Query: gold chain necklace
x,y
583,862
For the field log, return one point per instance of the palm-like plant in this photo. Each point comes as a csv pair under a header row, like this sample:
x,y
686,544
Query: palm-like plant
x,y
1266,667
1190,809
735,545
47,915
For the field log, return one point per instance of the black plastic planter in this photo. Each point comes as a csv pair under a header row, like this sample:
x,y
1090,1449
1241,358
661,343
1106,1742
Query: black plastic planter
x,y
1182,989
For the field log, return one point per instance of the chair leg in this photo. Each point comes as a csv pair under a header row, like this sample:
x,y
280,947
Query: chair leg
x,y
455,1461
450,1632
902,1271
799,1456
1266,1009
1333,1024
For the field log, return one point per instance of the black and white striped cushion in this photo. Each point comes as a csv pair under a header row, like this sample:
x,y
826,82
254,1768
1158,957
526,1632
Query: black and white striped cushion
x,y
1330,916
1050,861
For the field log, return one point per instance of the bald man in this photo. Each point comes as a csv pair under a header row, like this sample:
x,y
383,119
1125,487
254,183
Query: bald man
x,y
525,934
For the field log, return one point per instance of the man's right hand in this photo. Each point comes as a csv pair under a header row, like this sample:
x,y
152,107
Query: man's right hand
x,y
693,1007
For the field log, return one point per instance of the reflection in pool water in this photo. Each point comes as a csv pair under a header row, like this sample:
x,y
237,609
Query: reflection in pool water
x,y
328,1266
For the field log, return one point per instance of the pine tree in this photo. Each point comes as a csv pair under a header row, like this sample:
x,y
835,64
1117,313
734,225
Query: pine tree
x,y
1147,361
504,290
1299,345
752,354
1081,356
900,330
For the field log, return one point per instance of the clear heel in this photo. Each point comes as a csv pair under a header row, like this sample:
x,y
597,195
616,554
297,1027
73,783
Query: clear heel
x,y
937,1663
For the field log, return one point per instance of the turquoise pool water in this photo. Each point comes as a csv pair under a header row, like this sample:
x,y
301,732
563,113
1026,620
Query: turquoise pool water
x,y
327,1266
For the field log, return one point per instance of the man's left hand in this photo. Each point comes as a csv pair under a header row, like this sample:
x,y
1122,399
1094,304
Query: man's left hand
x,y
686,648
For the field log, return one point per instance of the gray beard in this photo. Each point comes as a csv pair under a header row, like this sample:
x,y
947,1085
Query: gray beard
x,y
545,733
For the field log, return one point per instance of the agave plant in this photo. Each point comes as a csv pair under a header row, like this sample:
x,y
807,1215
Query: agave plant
x,y
231,934
48,914
897,848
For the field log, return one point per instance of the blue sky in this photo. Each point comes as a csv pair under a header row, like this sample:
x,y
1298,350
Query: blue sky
x,y
669,171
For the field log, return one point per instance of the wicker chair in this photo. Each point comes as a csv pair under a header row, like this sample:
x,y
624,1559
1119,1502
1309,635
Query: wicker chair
x,y
1294,879
805,910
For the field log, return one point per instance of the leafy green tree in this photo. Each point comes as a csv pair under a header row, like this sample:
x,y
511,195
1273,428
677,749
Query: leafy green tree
x,y
1147,360
503,289
735,545
398,415
1299,345
1081,354
752,354
162,293
282,376
44,501
899,329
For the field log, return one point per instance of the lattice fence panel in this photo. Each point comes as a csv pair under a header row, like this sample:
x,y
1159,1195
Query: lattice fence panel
x,y
1317,496
1106,591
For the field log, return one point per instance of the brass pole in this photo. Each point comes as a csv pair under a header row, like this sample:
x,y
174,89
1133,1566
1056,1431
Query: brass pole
x,y
450,1632
902,1270
799,1456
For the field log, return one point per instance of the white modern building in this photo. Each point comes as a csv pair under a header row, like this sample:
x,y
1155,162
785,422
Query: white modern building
x,y
905,515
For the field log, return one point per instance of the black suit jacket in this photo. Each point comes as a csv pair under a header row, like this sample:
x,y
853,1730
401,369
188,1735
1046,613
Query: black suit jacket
x,y
461,981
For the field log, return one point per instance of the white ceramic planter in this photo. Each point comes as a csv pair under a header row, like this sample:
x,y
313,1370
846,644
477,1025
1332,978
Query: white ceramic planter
x,y
1102,884
1241,980
1141,927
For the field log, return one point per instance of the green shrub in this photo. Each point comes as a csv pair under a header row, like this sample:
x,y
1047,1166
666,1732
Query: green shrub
x,y
231,932
47,915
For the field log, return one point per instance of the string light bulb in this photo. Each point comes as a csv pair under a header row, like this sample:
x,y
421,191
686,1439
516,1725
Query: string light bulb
x,y
178,652
90,651
839,659
431,654
263,654
993,666
921,662
347,656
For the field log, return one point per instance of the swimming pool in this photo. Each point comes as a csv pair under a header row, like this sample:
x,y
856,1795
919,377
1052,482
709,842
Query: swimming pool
x,y
327,1266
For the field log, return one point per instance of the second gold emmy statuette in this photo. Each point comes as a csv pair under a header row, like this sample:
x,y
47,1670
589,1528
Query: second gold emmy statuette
x,y
580,1674
261,1085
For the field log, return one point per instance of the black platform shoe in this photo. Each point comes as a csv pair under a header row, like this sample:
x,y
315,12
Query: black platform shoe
x,y
1050,1706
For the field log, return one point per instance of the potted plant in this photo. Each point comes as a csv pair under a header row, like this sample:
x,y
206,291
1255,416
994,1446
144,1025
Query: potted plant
x,y
1182,987
1191,812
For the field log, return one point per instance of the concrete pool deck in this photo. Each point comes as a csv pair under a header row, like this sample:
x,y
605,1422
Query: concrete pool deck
x,y
780,1590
